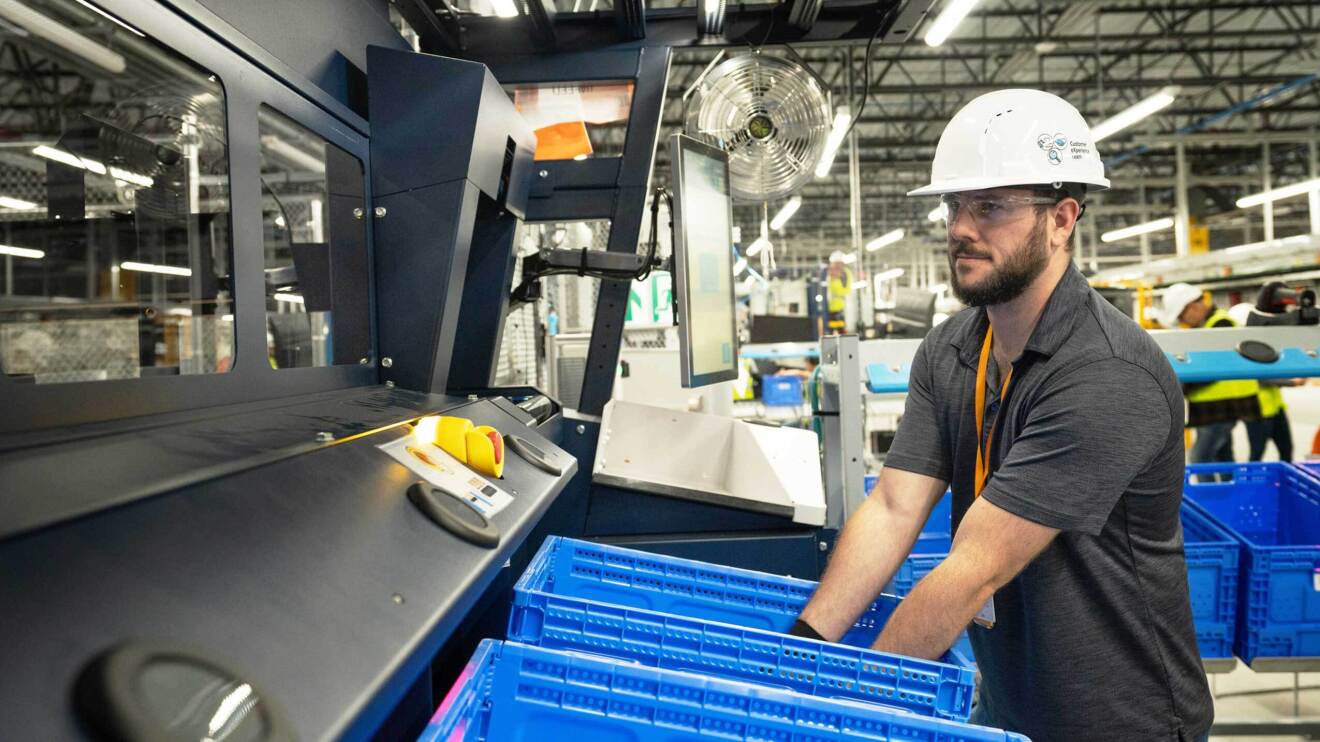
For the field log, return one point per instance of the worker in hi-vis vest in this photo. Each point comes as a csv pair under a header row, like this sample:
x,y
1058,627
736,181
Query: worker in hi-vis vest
x,y
838,287
1273,424
1214,408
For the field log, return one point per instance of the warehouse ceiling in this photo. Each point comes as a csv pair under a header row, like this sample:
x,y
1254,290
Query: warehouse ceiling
x,y
1248,95
1103,57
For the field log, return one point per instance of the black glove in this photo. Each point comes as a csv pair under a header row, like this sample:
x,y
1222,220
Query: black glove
x,y
803,629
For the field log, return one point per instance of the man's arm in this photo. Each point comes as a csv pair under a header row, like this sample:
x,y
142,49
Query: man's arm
x,y
875,541
991,547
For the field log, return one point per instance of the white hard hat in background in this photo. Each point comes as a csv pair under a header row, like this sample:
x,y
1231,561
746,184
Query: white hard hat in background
x,y
837,256
1015,138
1240,312
1176,299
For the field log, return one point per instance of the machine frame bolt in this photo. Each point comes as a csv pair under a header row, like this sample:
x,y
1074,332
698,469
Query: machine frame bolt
x,y
358,213
544,173
389,385
397,598
379,211
581,429
364,361
387,362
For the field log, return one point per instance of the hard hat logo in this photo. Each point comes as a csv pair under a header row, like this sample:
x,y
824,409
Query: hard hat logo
x,y
1052,145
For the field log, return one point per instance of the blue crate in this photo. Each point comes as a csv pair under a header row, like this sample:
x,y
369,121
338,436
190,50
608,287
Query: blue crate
x,y
1212,569
1212,579
781,390
689,615
513,692
1273,509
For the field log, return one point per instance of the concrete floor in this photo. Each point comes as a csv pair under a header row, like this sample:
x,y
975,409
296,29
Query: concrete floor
x,y
1246,695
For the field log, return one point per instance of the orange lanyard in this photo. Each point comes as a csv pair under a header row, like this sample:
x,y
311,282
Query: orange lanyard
x,y
983,459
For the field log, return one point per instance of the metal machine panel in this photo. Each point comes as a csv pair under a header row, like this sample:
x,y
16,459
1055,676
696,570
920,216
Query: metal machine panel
x,y
313,576
30,407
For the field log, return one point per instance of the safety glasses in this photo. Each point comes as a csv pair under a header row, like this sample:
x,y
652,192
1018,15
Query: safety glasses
x,y
990,211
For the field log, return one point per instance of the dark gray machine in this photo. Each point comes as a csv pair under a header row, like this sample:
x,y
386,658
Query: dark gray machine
x,y
198,503
213,540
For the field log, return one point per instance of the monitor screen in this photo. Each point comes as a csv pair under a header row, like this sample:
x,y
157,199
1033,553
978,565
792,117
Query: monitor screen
x,y
703,262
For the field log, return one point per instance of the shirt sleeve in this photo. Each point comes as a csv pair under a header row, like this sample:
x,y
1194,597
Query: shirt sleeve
x,y
918,445
1086,438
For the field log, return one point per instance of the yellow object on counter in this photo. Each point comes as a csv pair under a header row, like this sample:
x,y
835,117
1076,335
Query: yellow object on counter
x,y
451,436
485,450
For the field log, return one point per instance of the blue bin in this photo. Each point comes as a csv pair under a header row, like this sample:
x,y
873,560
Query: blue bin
x,y
514,693
1212,569
721,621
1273,509
781,390
1212,578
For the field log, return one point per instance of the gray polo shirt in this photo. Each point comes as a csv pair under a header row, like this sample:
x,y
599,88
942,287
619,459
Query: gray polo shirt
x,y
1094,639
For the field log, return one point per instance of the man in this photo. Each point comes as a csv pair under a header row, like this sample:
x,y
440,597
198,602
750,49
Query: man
x,y
1061,434
1273,424
1214,408
838,287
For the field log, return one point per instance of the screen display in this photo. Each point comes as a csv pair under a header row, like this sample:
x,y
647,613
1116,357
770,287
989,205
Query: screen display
x,y
708,258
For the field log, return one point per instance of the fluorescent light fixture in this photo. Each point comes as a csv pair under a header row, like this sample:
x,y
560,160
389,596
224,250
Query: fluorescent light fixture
x,y
860,284
756,247
939,213
786,212
16,203
888,275
226,318
505,8
842,117
1137,229
130,177
849,259
739,266
288,298
296,155
953,13
60,35
1127,117
169,270
22,252
1296,189
111,18
68,158
883,240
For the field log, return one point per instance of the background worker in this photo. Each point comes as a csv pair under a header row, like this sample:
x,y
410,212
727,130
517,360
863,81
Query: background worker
x,y
838,288
1214,408
1273,424
1058,423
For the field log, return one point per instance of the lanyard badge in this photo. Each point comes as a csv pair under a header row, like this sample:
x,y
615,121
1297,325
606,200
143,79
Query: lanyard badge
x,y
986,616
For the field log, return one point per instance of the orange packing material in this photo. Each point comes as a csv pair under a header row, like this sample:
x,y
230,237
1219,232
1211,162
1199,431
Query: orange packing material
x,y
562,141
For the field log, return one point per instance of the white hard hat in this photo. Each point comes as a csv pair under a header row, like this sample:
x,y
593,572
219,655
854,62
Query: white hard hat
x,y
1176,299
1239,313
1015,138
837,256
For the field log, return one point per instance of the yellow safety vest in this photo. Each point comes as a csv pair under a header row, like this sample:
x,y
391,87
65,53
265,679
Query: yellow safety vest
x,y
839,288
1271,401
1219,391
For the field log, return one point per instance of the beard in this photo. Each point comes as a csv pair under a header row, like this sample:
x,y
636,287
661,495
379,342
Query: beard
x,y
1007,282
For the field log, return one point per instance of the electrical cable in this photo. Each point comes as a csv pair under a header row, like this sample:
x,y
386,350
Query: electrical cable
x,y
866,66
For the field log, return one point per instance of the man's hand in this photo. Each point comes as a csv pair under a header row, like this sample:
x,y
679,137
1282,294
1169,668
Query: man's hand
x,y
991,547
875,541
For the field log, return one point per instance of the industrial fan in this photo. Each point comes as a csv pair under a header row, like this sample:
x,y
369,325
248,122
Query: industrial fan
x,y
772,116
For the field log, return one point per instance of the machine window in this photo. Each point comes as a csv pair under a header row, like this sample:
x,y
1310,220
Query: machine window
x,y
576,121
115,247
314,231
